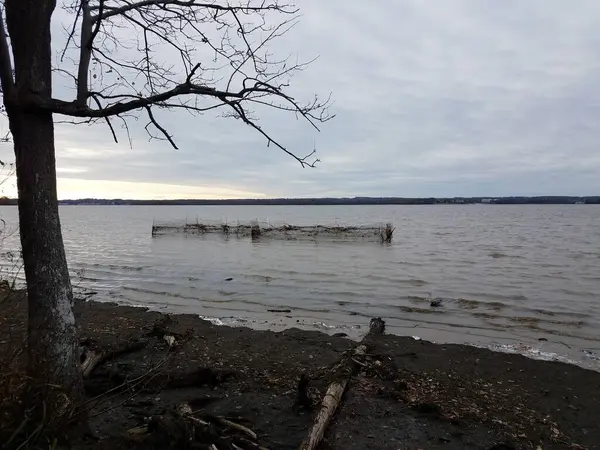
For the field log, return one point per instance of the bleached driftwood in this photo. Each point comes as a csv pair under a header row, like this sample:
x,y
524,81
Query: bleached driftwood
x,y
341,375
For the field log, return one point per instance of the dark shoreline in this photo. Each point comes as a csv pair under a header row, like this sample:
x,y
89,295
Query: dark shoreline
x,y
436,396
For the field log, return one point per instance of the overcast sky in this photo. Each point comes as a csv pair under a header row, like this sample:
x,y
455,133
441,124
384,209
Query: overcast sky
x,y
452,98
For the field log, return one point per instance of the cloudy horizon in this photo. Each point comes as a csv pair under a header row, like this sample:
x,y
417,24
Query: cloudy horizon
x,y
464,98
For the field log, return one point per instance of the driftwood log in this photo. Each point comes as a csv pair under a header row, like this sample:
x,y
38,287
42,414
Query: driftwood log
x,y
94,357
341,374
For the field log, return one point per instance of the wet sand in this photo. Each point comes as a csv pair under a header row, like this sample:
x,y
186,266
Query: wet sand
x,y
429,396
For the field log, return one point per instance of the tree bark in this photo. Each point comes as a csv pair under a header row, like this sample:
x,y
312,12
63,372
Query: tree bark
x,y
53,350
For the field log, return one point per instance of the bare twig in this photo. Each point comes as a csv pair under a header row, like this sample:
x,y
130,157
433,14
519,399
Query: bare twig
x,y
159,127
130,385
71,35
238,427
112,130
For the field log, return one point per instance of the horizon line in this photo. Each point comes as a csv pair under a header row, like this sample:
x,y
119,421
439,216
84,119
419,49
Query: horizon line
x,y
305,199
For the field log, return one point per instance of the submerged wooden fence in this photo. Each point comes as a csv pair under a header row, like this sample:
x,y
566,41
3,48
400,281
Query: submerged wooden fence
x,y
265,230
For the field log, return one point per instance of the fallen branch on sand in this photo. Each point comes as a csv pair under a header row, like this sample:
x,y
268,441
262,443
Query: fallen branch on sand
x,y
341,374
181,427
93,357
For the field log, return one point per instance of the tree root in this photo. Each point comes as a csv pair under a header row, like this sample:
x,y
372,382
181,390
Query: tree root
x,y
181,427
92,357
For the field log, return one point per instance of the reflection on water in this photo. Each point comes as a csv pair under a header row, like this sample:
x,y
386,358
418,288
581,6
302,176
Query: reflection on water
x,y
505,274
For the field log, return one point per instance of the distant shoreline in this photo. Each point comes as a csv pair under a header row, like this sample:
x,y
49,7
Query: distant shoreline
x,y
326,201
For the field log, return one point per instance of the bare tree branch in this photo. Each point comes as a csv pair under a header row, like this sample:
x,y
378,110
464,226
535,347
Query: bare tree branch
x,y
112,130
76,122
159,127
72,32
97,23
140,55
112,11
85,53
242,115
126,127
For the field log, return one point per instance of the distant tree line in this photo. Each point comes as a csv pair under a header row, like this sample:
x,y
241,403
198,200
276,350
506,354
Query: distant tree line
x,y
8,201
553,200
550,200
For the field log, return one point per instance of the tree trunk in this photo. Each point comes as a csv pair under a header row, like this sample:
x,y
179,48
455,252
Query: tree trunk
x,y
53,351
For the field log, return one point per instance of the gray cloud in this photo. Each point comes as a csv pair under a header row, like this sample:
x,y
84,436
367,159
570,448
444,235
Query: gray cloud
x,y
464,97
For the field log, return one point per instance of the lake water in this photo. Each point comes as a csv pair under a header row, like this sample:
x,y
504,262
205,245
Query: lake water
x,y
517,278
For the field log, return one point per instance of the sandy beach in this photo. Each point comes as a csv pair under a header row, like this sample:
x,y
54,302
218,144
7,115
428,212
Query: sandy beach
x,y
416,394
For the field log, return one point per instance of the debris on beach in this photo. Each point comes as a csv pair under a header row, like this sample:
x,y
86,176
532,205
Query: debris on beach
x,y
171,341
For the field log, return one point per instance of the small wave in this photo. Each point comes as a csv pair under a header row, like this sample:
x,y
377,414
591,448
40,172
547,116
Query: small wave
x,y
525,319
264,278
213,320
227,293
579,315
84,278
568,323
541,311
326,326
410,309
580,293
224,321
583,255
408,263
118,267
555,313
528,351
486,315
403,281
590,354
292,273
468,304
347,294
497,255
158,293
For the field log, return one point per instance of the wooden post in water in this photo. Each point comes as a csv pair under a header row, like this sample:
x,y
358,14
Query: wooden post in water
x,y
387,233
255,231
